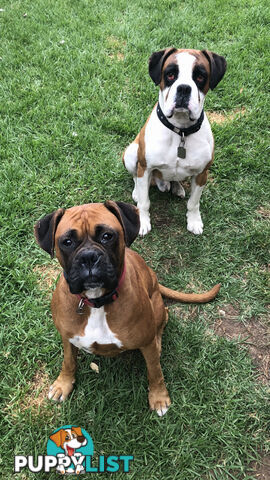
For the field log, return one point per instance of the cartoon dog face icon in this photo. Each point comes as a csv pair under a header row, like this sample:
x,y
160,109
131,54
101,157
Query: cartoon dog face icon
x,y
69,439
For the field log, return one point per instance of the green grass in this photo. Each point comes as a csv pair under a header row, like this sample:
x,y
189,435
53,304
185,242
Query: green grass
x,y
82,67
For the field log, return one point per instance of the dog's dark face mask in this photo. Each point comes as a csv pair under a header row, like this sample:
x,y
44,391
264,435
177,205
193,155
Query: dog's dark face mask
x,y
92,262
90,242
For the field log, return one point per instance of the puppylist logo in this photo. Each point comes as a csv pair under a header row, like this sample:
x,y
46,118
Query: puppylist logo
x,y
70,450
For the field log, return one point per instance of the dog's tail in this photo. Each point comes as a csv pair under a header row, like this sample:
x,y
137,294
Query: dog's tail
x,y
190,297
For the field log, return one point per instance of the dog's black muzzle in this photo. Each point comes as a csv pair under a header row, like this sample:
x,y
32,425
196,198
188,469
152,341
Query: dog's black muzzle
x,y
182,96
91,268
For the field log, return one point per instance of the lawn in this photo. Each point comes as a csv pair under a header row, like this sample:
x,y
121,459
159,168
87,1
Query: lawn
x,y
75,91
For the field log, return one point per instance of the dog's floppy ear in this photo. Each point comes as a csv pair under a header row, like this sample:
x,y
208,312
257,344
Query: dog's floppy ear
x,y
156,62
218,67
78,431
80,435
45,230
128,216
57,437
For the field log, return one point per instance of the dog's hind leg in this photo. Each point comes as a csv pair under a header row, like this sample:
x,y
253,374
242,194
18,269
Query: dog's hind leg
x,y
194,221
130,160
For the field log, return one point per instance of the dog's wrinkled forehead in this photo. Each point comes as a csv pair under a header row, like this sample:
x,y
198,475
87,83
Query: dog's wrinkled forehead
x,y
85,218
184,61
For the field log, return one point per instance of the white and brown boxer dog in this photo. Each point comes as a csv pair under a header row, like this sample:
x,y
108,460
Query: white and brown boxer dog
x,y
107,299
176,142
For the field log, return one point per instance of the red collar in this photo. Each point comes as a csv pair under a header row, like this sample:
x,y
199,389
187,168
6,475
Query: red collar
x,y
105,299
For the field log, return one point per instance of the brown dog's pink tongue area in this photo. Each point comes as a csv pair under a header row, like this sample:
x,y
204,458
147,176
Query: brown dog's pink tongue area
x,y
70,451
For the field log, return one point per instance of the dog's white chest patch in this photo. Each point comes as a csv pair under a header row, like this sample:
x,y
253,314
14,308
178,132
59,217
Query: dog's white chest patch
x,y
96,330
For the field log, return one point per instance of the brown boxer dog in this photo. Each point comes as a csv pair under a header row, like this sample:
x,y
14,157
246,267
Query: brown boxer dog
x,y
107,299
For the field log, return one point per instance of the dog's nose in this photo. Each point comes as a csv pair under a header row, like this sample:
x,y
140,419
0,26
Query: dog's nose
x,y
184,90
87,260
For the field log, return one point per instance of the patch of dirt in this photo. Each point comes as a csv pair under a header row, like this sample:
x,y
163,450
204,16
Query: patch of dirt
x,y
264,212
265,268
261,470
221,117
115,42
118,55
47,275
254,334
38,388
184,315
117,45
35,397
161,219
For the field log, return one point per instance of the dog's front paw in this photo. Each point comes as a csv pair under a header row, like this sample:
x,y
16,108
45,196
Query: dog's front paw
x,y
145,224
61,469
159,400
60,389
194,223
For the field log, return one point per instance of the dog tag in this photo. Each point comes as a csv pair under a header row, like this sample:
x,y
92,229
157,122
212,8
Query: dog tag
x,y
181,151
80,307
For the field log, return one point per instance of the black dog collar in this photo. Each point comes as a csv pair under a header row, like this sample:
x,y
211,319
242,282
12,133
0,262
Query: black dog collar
x,y
181,131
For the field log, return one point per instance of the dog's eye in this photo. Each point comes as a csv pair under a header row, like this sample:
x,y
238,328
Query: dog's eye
x,y
106,237
170,77
67,242
67,438
199,78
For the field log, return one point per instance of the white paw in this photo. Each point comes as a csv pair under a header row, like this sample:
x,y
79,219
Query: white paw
x,y
55,394
162,411
194,223
61,469
79,469
195,227
60,390
145,225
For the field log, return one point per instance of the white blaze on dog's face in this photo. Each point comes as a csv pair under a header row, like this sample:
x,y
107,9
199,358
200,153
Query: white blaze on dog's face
x,y
184,77
183,81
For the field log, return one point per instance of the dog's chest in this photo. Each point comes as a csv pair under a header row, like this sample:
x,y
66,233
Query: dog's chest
x,y
96,331
172,167
162,152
